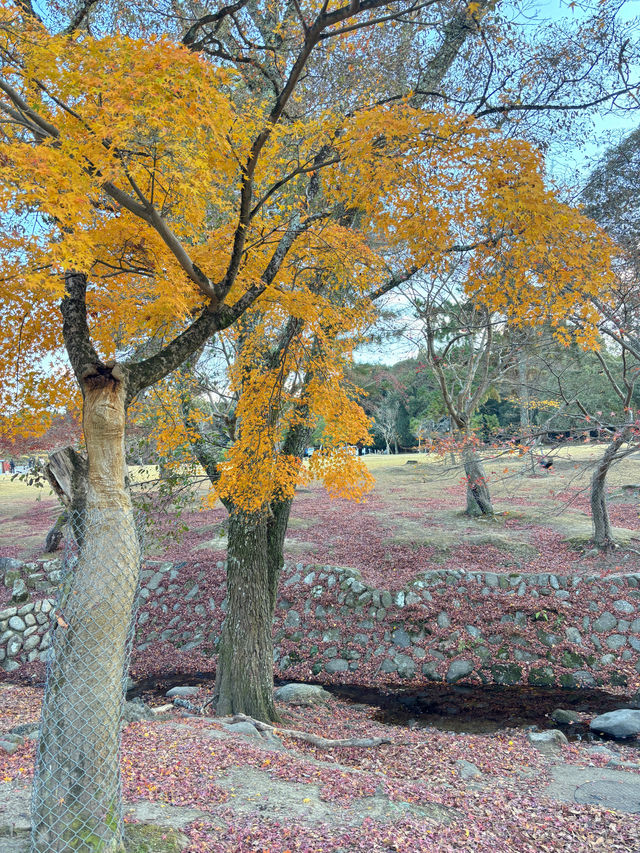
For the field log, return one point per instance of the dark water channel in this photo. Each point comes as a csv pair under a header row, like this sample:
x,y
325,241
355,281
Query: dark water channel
x,y
453,708
488,709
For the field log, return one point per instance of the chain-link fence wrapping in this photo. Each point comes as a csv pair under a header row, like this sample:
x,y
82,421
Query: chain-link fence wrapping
x,y
77,802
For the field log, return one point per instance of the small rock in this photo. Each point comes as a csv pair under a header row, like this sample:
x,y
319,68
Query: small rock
x,y
242,728
405,666
292,619
25,730
584,678
401,638
193,592
573,636
302,694
549,742
467,769
430,670
565,717
135,711
181,691
14,644
9,564
8,746
622,723
31,643
459,669
606,622
19,591
13,737
443,620
601,750
624,606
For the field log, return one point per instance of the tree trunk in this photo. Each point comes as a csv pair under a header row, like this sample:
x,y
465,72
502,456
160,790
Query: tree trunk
x,y
244,675
277,526
54,536
255,556
77,788
478,497
523,404
66,472
602,532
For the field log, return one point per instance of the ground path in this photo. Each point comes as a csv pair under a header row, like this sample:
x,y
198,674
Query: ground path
x,y
211,790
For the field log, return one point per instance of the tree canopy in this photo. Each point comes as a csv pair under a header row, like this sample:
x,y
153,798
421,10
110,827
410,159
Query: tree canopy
x,y
148,168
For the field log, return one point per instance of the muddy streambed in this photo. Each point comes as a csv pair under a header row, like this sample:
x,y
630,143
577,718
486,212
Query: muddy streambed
x,y
455,708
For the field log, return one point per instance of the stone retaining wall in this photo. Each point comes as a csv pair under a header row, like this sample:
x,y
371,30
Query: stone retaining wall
x,y
536,629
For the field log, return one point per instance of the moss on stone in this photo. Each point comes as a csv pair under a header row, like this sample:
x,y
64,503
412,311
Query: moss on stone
x,y
541,677
618,679
150,838
571,659
506,673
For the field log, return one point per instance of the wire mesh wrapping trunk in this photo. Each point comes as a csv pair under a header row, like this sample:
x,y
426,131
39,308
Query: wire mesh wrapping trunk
x,y
77,789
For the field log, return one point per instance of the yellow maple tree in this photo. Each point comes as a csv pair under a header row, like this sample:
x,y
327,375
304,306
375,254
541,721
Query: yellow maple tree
x,y
154,202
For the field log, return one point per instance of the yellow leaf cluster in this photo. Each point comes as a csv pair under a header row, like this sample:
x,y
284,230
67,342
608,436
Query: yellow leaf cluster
x,y
399,187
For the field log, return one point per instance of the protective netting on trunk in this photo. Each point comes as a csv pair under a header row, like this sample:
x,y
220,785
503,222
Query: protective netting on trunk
x,y
77,802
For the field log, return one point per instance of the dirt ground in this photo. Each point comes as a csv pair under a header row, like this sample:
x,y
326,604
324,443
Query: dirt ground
x,y
413,516
197,785
191,784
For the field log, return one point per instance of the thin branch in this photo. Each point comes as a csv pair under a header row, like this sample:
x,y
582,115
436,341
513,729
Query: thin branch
x,y
302,170
607,372
24,107
509,108
79,17
372,22
216,18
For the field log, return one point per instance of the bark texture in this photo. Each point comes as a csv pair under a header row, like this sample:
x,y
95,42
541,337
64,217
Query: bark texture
x,y
252,590
244,675
66,472
478,497
77,791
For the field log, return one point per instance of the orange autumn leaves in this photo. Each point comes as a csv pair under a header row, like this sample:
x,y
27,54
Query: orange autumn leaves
x,y
153,120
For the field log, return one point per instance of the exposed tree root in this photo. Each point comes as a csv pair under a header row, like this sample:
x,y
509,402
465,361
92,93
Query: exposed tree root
x,y
316,740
